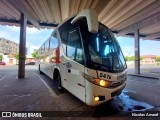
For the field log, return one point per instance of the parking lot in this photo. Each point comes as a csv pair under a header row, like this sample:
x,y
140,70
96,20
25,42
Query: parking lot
x,y
37,92
148,70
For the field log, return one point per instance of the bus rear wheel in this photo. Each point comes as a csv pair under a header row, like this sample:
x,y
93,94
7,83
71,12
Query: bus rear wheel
x,y
40,70
58,81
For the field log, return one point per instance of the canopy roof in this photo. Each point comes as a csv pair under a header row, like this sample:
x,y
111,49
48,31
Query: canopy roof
x,y
121,16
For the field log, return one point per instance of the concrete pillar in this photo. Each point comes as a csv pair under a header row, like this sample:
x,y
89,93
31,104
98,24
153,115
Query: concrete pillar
x,y
137,52
22,46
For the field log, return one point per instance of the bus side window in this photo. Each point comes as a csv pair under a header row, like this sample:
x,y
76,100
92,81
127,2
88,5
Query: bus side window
x,y
47,46
53,42
74,46
44,48
64,41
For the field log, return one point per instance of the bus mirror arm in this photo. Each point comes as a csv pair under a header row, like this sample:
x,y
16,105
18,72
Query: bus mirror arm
x,y
92,19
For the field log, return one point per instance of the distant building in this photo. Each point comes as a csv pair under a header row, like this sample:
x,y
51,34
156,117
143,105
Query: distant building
x,y
8,46
7,49
149,59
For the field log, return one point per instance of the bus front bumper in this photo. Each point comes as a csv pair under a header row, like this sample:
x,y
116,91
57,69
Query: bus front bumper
x,y
96,95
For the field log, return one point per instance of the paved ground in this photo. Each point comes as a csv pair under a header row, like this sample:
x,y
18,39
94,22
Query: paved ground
x,y
149,70
37,92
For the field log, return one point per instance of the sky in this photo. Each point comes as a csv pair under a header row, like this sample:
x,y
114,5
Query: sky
x,y
36,37
147,47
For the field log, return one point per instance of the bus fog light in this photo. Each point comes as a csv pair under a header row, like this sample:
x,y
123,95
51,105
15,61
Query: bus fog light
x,y
96,98
99,98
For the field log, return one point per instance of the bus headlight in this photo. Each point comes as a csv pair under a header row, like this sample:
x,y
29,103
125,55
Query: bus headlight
x,y
100,82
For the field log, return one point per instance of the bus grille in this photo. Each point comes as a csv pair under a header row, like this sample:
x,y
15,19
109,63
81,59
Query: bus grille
x,y
116,84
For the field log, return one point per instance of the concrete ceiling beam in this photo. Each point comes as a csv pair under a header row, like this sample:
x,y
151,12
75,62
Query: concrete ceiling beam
x,y
152,9
133,11
104,12
129,6
64,8
152,36
153,19
21,8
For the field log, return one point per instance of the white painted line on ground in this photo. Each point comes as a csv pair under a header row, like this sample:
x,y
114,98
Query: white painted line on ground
x,y
50,90
146,82
127,90
2,78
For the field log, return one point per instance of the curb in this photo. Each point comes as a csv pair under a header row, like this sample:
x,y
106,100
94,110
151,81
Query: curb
x,y
140,75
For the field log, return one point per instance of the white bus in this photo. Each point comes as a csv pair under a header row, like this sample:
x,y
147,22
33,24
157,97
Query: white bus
x,y
83,56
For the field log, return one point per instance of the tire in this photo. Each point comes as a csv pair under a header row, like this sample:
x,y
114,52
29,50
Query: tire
x,y
58,82
40,70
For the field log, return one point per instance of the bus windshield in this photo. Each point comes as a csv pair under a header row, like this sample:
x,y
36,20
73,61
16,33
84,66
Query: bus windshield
x,y
105,51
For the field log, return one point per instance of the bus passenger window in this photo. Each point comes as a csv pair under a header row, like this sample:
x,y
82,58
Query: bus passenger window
x,y
47,46
44,48
74,47
64,41
53,42
40,50
64,48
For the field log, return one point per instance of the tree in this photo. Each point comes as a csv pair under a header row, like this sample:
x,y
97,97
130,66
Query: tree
x,y
35,56
158,60
16,56
1,57
129,58
141,58
126,58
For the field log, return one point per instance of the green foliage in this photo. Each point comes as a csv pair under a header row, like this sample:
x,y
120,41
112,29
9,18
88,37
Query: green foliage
x,y
35,55
40,57
126,58
1,57
129,58
16,56
141,58
158,60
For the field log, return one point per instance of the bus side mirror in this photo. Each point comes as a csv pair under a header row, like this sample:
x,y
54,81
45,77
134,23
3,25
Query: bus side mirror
x,y
92,19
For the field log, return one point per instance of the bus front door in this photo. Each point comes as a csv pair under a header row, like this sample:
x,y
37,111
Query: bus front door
x,y
75,80
75,66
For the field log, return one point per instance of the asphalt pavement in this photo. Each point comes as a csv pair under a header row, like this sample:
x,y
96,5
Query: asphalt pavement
x,y
37,92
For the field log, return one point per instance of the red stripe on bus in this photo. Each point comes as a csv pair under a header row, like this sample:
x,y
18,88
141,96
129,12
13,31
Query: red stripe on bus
x,y
58,55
